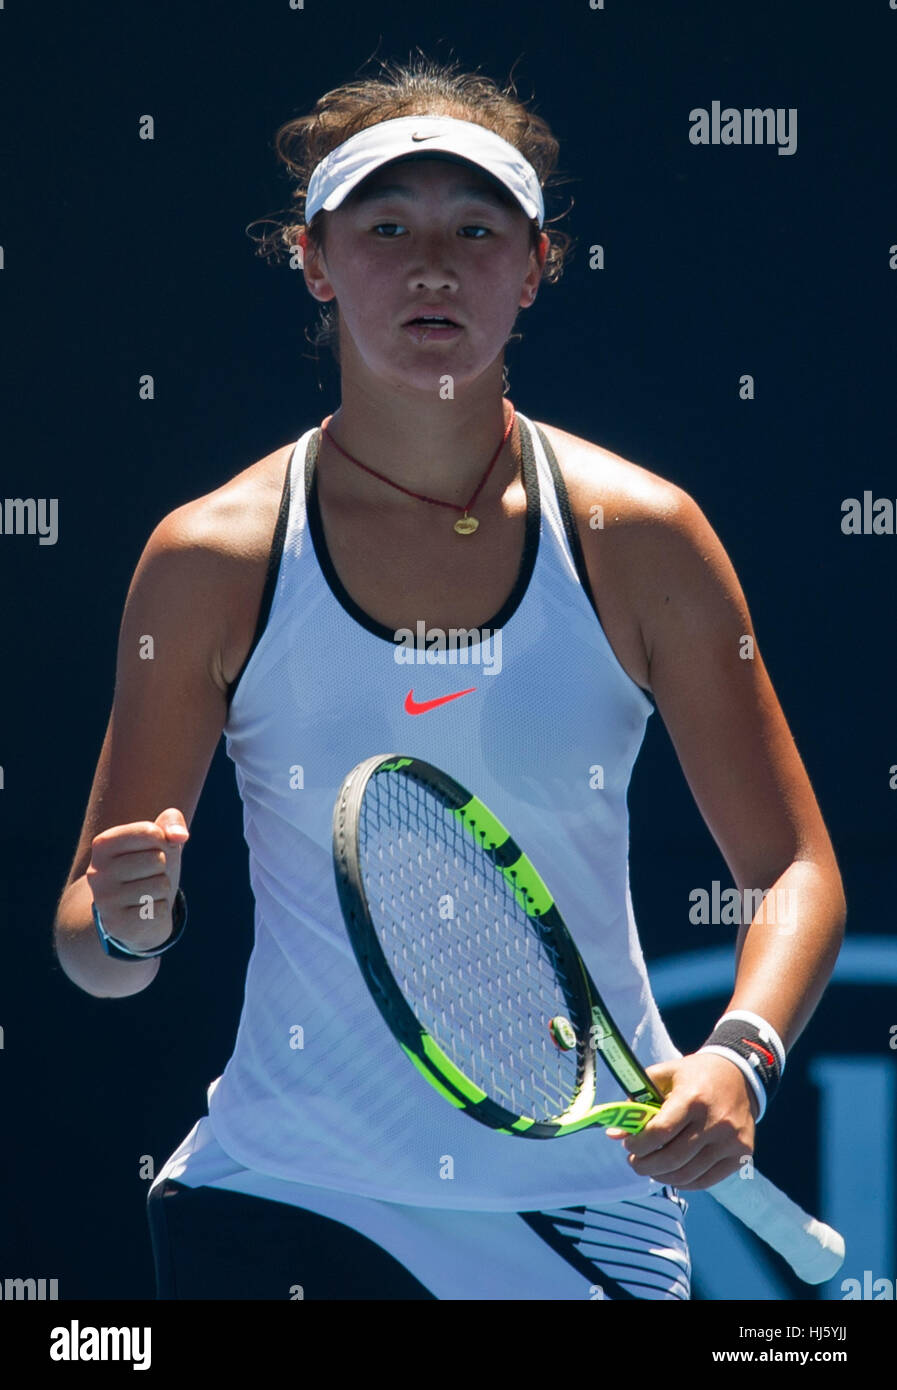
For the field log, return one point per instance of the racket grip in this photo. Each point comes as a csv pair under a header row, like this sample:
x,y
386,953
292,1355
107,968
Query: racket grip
x,y
814,1251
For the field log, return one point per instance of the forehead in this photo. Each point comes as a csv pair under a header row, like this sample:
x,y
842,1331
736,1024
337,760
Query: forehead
x,y
409,171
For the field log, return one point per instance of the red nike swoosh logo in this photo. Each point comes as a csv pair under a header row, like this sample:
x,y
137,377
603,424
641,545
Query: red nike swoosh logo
x,y
765,1050
412,706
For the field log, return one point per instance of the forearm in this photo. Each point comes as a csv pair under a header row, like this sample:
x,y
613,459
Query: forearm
x,y
83,959
787,952
705,1128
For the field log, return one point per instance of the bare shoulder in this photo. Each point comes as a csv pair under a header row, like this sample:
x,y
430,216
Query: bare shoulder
x,y
232,521
215,549
628,494
645,541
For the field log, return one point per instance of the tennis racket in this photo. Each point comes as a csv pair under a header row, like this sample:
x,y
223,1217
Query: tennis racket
x,y
473,968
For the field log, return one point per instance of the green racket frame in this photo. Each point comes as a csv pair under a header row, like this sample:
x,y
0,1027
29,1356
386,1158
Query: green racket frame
x,y
594,1027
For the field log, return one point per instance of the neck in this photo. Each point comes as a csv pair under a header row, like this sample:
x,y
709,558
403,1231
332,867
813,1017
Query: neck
x,y
440,448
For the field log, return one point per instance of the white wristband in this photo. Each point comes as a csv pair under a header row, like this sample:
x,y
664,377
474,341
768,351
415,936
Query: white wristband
x,y
766,1031
760,1058
746,1071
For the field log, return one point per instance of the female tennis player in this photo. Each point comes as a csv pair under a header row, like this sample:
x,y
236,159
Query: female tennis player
x,y
430,571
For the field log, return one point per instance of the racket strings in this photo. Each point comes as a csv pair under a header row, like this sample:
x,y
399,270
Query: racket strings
x,y
482,977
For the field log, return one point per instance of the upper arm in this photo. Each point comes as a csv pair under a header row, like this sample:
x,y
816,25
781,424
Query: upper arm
x,y
169,704
716,698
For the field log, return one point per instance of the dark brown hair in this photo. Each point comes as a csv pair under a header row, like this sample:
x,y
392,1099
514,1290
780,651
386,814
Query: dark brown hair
x,y
422,87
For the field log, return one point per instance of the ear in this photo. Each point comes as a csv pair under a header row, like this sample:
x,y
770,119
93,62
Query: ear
x,y
314,268
534,275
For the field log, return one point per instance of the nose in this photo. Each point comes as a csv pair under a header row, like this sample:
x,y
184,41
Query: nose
x,y
432,265
433,274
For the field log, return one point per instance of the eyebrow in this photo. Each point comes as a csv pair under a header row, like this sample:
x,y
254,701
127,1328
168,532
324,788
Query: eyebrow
x,y
367,194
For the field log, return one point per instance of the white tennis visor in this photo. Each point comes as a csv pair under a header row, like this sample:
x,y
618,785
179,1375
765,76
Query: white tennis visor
x,y
345,167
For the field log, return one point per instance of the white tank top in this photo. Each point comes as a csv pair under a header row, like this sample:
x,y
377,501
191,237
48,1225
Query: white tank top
x,y
317,1090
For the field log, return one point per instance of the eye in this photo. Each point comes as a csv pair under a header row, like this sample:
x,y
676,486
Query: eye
x,y
473,226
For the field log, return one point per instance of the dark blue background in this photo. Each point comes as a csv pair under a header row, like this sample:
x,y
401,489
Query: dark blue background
x,y
125,256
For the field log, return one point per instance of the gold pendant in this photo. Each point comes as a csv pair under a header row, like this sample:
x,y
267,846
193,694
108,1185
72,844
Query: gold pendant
x,y
466,525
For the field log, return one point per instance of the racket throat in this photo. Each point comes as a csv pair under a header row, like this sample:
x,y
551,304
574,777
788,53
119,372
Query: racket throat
x,y
605,1038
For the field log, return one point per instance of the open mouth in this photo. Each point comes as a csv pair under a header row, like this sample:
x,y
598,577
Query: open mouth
x,y
428,328
433,321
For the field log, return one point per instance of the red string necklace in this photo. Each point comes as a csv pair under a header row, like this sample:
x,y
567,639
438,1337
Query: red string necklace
x,y
466,524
